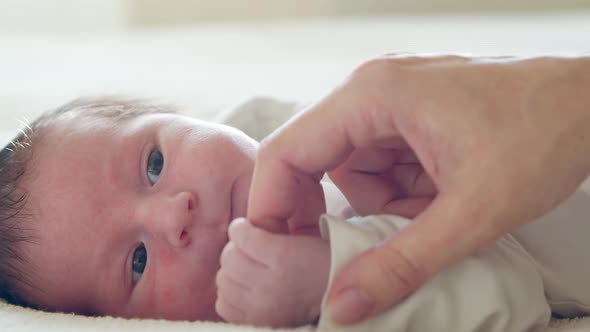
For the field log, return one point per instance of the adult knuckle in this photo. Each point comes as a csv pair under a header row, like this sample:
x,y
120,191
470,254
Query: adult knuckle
x,y
338,175
266,148
381,65
373,64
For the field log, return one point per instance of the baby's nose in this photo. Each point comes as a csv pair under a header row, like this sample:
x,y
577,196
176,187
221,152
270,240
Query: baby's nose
x,y
175,219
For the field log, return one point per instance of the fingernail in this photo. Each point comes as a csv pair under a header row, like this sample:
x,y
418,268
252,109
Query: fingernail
x,y
238,220
351,305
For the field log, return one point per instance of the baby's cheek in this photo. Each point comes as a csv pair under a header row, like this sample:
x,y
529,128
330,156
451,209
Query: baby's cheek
x,y
169,271
168,288
167,258
179,300
169,295
184,280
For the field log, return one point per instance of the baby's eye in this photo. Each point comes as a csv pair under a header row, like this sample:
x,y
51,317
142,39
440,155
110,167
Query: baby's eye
x,y
139,262
155,164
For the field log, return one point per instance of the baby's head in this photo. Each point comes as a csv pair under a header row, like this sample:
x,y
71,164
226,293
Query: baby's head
x,y
120,207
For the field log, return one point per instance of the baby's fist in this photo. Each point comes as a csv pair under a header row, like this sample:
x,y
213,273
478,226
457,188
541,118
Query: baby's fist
x,y
271,279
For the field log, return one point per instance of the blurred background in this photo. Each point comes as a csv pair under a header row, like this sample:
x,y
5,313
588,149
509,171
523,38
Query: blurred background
x,y
209,55
75,16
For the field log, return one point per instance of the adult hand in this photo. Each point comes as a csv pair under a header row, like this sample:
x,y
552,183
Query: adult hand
x,y
501,141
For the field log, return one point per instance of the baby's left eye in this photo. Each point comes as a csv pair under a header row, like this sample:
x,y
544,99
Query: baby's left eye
x,y
155,164
139,262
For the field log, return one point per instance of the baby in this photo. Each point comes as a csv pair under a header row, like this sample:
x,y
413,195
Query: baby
x,y
121,207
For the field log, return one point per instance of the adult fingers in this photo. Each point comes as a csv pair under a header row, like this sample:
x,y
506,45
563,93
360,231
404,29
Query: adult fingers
x,y
288,163
408,208
360,180
412,180
381,277
394,178
385,196
317,140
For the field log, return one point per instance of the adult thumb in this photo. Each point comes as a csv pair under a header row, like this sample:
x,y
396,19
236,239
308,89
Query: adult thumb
x,y
383,276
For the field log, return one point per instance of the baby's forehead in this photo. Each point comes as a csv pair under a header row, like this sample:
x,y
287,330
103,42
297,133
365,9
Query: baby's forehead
x,y
88,130
82,124
75,148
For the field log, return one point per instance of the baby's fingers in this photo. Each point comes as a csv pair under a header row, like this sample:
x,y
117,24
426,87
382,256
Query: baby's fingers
x,y
232,298
239,304
241,267
256,243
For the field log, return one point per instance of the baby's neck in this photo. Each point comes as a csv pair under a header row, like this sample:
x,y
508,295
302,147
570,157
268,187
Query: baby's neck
x,y
336,203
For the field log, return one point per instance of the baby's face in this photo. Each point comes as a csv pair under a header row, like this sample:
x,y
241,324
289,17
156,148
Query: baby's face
x,y
132,215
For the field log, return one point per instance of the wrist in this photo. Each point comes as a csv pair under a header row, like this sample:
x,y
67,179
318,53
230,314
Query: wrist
x,y
561,94
575,86
581,67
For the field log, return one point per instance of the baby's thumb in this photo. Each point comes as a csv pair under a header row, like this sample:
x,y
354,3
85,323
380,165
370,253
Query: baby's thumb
x,y
383,276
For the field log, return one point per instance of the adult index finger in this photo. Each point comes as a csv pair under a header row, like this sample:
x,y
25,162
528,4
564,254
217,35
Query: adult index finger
x,y
293,159
356,114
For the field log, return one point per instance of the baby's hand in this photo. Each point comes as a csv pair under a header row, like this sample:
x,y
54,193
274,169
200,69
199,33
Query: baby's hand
x,y
271,279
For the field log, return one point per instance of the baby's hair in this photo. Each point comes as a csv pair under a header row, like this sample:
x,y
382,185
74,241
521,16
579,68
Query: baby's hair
x,y
16,161
13,161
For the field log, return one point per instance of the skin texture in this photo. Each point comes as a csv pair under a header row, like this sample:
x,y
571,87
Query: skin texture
x,y
470,147
272,279
275,279
93,204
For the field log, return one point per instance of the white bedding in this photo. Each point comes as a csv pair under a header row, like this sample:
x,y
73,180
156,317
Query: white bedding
x,y
13,319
